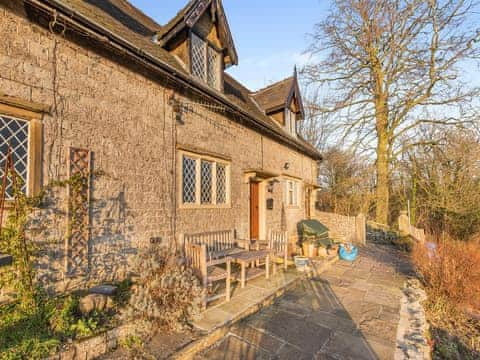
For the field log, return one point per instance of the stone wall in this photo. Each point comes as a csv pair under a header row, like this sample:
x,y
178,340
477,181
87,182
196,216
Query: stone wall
x,y
104,103
345,228
406,228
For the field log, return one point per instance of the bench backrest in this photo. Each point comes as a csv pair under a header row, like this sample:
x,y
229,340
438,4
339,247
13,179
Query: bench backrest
x,y
215,241
278,241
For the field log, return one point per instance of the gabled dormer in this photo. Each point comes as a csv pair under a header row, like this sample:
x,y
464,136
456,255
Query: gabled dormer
x,y
282,101
199,36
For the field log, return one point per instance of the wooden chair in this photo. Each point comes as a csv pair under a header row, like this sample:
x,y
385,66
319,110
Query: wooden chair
x,y
277,243
208,271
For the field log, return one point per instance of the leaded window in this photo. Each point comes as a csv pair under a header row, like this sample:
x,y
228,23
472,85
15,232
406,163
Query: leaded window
x,y
205,61
198,57
212,67
221,184
205,181
189,180
14,133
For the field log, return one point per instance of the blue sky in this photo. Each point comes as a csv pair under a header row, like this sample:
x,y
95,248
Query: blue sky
x,y
270,35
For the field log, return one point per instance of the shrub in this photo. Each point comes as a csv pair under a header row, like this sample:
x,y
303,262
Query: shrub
x,y
167,292
451,271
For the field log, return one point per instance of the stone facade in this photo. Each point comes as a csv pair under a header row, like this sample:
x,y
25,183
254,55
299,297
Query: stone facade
x,y
101,102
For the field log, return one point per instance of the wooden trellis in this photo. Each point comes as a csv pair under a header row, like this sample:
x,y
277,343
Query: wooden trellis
x,y
79,188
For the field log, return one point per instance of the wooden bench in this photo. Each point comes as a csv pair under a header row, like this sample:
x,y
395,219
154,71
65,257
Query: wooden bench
x,y
205,252
208,271
218,243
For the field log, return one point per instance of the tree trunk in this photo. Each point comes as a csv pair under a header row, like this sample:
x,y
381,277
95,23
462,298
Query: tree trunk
x,y
382,193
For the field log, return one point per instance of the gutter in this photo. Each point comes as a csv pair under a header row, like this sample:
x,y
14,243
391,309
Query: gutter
x,y
78,20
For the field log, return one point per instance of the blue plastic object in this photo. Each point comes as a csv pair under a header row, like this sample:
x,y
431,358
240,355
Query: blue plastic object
x,y
348,255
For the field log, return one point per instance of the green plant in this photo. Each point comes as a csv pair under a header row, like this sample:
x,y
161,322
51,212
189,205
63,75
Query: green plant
x,y
62,321
131,342
123,293
85,326
26,334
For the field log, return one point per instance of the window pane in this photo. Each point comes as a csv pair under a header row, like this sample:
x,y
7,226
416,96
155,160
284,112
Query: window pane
x,y
212,68
198,57
221,184
189,180
206,182
14,132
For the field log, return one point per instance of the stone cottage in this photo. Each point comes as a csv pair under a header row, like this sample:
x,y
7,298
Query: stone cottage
x,y
183,147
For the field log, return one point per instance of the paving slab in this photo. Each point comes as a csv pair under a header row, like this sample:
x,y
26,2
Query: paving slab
x,y
349,311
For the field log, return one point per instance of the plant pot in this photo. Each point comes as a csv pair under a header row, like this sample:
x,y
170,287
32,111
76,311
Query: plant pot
x,y
305,248
333,249
309,250
301,263
322,252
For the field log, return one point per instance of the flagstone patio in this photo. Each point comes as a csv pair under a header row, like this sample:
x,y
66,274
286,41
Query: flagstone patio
x,y
351,311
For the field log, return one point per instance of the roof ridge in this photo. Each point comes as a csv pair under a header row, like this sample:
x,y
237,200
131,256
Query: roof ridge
x,y
272,85
141,12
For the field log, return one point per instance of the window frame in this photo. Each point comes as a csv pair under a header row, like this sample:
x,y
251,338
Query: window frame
x,y
207,46
290,121
34,151
198,182
292,186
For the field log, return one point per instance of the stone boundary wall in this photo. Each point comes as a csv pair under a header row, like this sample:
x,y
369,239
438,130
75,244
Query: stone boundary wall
x,y
97,345
347,228
405,227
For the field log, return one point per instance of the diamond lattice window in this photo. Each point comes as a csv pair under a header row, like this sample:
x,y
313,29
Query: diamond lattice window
x,y
14,133
198,57
205,62
206,181
189,180
213,68
221,184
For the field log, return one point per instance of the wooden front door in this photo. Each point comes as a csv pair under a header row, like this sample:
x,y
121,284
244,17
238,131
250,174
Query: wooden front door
x,y
254,211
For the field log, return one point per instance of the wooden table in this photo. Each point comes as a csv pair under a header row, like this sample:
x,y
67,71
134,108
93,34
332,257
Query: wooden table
x,y
245,258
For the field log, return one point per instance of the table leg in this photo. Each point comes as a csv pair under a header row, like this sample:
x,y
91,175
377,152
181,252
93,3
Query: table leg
x,y
267,267
242,275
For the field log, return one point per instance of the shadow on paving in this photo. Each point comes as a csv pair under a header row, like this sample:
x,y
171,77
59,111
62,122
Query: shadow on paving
x,y
351,311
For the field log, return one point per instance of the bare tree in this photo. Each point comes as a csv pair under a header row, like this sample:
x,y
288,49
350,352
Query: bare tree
x,y
317,127
447,181
345,181
391,66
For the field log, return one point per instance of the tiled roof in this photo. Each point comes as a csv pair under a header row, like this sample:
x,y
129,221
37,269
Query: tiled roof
x,y
127,22
275,95
176,19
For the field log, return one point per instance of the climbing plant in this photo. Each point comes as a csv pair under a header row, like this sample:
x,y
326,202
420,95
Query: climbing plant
x,y
13,240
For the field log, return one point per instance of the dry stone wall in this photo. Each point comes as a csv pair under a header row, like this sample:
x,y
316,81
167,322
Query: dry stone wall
x,y
344,228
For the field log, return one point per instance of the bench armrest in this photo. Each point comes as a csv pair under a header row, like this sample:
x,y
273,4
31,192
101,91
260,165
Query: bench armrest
x,y
224,260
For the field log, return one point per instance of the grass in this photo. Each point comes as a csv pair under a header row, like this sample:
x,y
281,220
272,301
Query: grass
x,y
36,334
